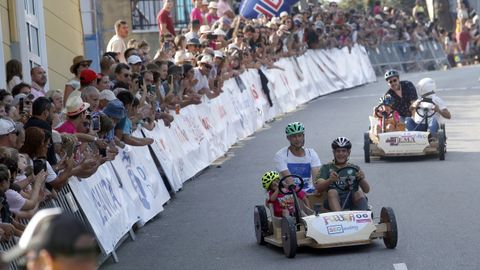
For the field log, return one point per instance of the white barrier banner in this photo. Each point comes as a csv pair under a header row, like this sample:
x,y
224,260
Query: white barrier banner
x,y
164,151
105,205
141,180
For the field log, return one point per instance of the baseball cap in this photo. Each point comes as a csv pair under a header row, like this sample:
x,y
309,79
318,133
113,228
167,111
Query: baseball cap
x,y
115,109
88,76
7,126
58,233
134,59
218,54
108,95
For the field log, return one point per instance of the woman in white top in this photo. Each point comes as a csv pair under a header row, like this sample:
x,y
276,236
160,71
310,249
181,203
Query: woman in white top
x,y
14,73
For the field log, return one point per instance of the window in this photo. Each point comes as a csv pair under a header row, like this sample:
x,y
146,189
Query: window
x,y
144,14
33,50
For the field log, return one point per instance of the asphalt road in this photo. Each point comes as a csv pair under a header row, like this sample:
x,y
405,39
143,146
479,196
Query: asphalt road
x,y
209,225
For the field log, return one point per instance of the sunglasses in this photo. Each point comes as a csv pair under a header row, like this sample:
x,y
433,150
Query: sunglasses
x,y
126,75
393,81
208,66
84,65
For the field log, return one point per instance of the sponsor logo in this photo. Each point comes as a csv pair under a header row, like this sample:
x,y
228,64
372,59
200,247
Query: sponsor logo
x,y
362,218
339,218
406,139
335,229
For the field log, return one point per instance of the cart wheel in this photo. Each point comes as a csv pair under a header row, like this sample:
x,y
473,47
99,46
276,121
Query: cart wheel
x,y
441,144
289,237
391,236
261,223
366,147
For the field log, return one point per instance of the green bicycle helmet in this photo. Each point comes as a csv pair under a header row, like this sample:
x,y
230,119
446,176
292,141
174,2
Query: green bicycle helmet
x,y
294,128
268,178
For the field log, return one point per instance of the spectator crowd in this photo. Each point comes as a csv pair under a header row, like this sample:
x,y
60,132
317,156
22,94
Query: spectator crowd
x,y
50,135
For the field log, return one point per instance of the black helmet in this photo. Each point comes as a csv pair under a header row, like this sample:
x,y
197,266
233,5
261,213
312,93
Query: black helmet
x,y
341,142
391,73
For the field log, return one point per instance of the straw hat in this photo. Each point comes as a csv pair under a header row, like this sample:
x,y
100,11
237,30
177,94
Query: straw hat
x,y
76,106
77,60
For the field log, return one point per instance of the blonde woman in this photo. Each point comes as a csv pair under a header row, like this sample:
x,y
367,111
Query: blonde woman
x,y
56,97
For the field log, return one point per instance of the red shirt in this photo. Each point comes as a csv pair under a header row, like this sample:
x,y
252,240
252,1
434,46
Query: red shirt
x,y
463,38
164,17
196,14
67,127
285,202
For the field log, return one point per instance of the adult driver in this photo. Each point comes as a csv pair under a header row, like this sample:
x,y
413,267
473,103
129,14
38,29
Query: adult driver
x,y
297,159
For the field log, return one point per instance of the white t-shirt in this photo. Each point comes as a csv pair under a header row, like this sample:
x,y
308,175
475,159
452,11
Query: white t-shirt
x,y
438,101
15,200
302,166
202,80
117,44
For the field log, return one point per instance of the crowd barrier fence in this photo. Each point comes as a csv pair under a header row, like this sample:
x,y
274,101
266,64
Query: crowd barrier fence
x,y
130,190
408,56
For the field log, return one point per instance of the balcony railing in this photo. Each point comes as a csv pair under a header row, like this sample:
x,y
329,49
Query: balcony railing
x,y
144,14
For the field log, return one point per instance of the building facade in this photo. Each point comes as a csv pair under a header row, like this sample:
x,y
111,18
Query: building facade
x,y
141,16
45,33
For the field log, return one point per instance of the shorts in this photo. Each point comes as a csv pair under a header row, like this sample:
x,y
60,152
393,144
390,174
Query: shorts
x,y
343,197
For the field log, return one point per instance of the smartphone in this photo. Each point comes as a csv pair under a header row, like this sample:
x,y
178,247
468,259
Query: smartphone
x,y
166,45
170,80
96,122
20,107
103,152
39,165
151,89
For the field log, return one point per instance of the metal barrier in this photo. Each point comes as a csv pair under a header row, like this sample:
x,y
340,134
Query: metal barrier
x,y
65,199
408,56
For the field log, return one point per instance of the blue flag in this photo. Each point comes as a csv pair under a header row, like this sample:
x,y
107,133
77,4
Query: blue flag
x,y
250,9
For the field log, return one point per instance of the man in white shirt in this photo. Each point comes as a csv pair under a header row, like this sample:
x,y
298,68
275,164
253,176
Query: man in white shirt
x,y
117,42
201,73
39,81
428,102
297,159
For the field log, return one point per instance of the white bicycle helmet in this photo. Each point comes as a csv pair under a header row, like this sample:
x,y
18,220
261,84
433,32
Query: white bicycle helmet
x,y
341,142
391,73
426,86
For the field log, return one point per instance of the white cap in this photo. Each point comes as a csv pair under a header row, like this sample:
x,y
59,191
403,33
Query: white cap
x,y
205,29
213,5
108,95
283,14
206,59
219,32
218,54
134,59
7,126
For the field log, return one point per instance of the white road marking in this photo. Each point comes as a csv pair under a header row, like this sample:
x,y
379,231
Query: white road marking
x,y
400,266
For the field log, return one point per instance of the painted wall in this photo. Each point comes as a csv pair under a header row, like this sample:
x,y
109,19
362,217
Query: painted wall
x,y
5,29
64,36
64,39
